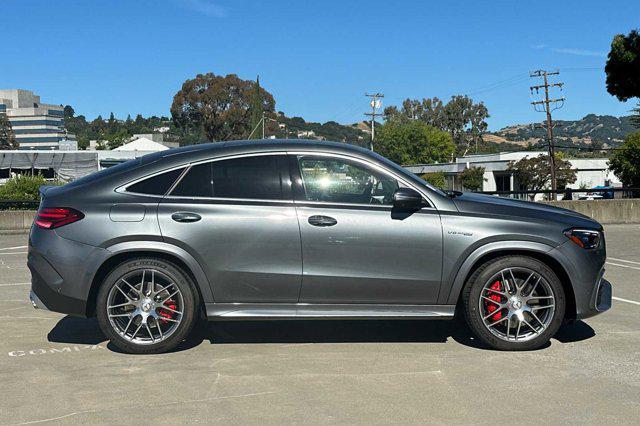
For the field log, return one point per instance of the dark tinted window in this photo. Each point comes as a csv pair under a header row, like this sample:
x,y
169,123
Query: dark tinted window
x,y
196,183
249,177
156,185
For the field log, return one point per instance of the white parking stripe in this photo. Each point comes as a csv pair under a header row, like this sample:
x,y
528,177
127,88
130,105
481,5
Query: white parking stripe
x,y
625,261
14,252
623,266
625,300
12,248
12,284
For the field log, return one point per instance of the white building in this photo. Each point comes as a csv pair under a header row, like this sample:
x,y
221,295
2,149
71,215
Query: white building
x,y
35,125
591,172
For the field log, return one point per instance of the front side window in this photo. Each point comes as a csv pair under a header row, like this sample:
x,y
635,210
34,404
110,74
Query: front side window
x,y
339,180
255,177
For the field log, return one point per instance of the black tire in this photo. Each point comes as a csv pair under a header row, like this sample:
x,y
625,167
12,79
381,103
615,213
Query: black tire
x,y
473,290
189,297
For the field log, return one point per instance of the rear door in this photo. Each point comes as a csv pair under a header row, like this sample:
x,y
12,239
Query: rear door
x,y
237,218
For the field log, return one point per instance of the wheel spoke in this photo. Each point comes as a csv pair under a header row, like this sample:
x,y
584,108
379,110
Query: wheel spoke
x,y
170,309
518,330
119,315
530,326
123,293
136,332
497,322
159,327
538,308
121,305
170,296
150,333
488,299
170,320
501,293
124,333
538,319
515,283
541,297
524,285
506,283
535,286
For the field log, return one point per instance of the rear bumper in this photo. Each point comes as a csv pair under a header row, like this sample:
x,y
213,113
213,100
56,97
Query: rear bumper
x,y
61,272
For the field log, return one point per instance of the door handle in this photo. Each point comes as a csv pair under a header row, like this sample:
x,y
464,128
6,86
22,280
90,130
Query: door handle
x,y
322,220
186,217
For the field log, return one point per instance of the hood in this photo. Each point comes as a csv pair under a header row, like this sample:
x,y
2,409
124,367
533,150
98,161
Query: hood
x,y
500,206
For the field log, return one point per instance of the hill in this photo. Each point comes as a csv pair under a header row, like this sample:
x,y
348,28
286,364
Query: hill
x,y
593,131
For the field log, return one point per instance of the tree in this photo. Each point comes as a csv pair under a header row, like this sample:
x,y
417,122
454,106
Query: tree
x,y
623,70
68,112
464,120
472,178
625,162
533,173
7,137
623,66
219,105
256,109
413,142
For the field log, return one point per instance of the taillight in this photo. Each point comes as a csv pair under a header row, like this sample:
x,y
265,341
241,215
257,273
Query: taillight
x,y
55,217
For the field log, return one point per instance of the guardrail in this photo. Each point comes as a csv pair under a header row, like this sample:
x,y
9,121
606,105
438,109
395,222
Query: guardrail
x,y
570,194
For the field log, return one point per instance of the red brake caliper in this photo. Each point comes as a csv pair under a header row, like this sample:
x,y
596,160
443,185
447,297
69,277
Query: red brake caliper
x,y
491,307
171,304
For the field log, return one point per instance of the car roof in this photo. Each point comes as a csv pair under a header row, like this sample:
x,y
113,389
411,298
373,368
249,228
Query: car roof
x,y
213,149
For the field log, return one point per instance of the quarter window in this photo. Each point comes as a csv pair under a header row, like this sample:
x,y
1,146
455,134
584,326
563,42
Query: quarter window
x,y
342,181
196,183
156,185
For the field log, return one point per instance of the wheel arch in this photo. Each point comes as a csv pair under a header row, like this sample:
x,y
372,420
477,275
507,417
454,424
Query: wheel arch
x,y
126,251
537,251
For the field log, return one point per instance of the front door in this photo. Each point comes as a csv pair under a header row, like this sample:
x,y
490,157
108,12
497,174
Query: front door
x,y
355,247
237,218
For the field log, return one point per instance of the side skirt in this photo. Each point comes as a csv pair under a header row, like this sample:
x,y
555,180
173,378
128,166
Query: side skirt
x,y
239,311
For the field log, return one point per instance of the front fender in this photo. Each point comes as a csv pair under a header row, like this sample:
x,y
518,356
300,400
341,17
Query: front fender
x,y
453,286
161,247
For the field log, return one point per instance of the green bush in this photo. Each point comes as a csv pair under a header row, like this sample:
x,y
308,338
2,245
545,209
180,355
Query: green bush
x,y
436,179
24,188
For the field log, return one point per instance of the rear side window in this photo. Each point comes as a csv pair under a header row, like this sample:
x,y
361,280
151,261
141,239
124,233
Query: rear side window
x,y
156,185
255,177
196,183
249,177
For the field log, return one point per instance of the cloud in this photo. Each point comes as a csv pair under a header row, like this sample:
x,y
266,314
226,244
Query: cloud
x,y
578,52
568,51
206,7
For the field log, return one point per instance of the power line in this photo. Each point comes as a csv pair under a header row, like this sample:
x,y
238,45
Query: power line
x,y
545,105
375,104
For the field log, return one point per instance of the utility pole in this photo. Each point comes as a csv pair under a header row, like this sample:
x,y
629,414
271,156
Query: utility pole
x,y
375,104
547,109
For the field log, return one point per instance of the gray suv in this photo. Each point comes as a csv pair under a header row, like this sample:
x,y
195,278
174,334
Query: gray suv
x,y
293,229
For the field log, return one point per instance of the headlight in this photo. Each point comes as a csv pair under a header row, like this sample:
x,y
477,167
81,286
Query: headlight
x,y
585,238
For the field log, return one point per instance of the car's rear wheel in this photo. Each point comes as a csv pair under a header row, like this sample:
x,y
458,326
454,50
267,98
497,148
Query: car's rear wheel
x,y
147,306
514,303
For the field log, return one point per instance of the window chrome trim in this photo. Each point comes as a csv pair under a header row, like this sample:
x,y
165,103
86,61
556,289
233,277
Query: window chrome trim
x,y
188,166
371,165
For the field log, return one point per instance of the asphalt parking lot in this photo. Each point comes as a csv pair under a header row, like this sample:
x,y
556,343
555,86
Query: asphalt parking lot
x,y
58,369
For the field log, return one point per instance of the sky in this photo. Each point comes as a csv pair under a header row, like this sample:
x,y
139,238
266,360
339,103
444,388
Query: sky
x,y
317,58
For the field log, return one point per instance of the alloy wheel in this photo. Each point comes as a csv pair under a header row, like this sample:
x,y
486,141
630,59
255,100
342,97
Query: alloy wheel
x,y
517,304
145,306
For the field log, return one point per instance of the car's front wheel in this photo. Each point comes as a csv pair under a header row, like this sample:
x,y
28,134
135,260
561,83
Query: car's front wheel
x,y
514,303
147,306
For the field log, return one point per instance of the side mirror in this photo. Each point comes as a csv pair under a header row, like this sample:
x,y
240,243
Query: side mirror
x,y
407,199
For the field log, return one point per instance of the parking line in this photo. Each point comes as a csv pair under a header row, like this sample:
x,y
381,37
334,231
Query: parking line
x,y
12,284
625,261
14,252
12,248
625,300
623,266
